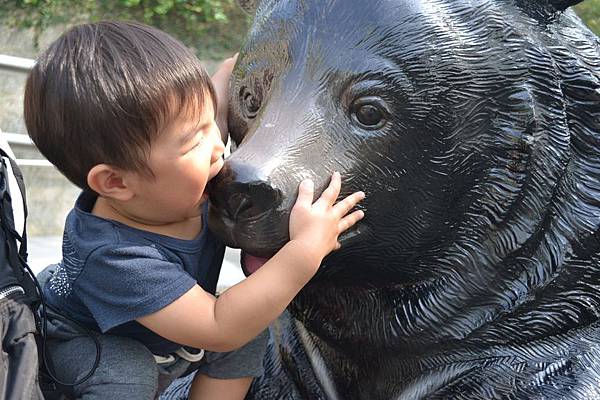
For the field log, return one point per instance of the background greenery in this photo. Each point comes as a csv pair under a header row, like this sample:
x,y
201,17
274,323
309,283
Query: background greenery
x,y
215,28
590,12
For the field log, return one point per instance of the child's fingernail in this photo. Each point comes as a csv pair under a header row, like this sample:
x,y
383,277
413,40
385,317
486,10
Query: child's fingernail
x,y
307,183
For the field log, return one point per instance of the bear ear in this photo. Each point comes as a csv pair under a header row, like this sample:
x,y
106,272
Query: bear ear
x,y
545,10
562,5
249,6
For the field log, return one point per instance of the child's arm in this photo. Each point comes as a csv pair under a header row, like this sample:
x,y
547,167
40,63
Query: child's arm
x,y
200,320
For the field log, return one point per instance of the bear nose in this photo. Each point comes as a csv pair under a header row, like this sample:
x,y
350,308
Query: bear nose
x,y
240,192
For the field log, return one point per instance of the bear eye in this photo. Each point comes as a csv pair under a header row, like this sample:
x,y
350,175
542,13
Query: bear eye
x,y
369,112
250,103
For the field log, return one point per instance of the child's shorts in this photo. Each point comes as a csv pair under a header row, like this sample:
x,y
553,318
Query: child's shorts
x,y
128,370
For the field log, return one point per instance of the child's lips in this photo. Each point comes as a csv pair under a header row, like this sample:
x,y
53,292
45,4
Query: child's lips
x,y
216,168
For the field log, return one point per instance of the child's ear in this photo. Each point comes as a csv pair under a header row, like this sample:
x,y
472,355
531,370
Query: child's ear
x,y
109,182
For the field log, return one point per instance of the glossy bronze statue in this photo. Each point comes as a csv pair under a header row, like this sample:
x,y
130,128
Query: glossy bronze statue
x,y
474,129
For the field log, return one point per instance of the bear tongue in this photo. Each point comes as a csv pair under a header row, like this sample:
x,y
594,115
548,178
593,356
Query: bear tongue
x,y
252,263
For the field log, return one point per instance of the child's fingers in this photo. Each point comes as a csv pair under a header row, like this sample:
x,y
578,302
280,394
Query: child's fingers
x,y
343,207
306,192
349,220
333,190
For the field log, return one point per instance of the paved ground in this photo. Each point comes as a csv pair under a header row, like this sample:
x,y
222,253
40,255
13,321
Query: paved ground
x,y
46,250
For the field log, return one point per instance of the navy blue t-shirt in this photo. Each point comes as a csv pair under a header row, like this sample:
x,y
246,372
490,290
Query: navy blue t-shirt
x,y
111,274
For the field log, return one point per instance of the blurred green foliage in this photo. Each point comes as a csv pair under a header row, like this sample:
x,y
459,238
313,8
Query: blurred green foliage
x,y
214,27
589,11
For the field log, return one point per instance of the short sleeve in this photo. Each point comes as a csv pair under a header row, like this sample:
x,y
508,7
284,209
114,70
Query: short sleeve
x,y
121,283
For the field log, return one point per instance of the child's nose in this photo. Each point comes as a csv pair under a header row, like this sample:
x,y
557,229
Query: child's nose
x,y
218,149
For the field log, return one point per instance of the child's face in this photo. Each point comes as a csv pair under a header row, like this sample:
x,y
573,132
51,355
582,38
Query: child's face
x,y
183,159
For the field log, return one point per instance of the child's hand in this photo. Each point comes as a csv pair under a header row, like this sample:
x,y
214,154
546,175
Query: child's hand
x,y
220,80
317,226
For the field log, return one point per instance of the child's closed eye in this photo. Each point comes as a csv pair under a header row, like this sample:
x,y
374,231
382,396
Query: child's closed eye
x,y
195,142
194,146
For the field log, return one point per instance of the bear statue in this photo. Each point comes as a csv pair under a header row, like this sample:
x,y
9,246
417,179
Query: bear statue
x,y
473,126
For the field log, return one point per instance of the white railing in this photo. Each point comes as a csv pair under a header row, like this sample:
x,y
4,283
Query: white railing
x,y
33,162
24,140
17,64
17,138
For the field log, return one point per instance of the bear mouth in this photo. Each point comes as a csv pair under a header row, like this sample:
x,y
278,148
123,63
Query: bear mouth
x,y
251,264
259,236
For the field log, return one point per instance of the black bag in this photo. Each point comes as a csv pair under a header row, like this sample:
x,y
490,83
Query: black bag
x,y
19,297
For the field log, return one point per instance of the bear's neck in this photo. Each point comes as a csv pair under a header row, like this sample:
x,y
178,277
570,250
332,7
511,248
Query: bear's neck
x,y
435,317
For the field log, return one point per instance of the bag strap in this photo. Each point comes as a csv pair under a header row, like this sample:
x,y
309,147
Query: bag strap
x,y
16,171
21,184
17,257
